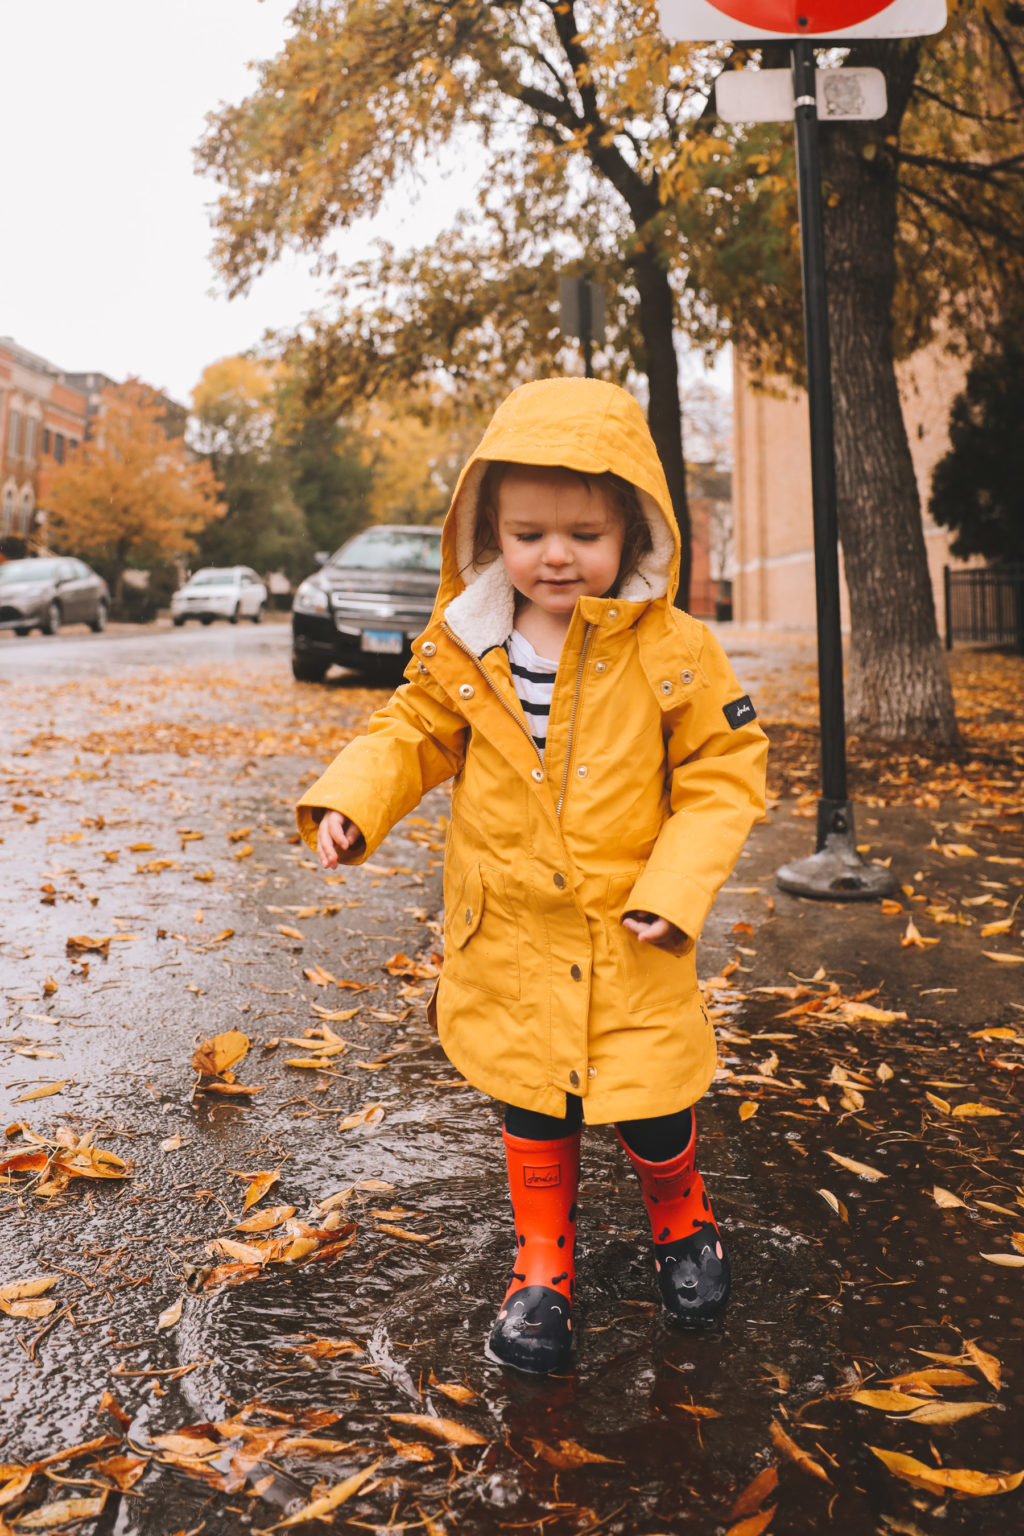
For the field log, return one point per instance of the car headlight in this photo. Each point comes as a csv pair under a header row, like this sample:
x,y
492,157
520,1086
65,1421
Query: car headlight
x,y
311,598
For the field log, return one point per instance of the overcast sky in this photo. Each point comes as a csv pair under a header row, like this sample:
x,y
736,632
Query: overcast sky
x,y
104,253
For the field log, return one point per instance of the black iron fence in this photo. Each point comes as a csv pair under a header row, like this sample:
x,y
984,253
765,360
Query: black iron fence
x,y
985,604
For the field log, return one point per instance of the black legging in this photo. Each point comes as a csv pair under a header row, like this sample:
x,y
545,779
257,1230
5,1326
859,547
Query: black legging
x,y
656,1140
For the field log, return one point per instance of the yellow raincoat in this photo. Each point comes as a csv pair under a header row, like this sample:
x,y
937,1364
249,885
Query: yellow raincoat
x,y
653,775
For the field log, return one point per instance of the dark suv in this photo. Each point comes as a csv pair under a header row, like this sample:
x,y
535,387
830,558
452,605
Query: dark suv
x,y
367,602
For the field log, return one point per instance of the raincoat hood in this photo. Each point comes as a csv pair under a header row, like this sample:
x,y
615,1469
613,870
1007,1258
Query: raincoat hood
x,y
581,424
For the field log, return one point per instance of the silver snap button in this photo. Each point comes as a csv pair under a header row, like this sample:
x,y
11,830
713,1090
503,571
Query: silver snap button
x,y
466,691
469,915
686,676
600,666
421,667
582,771
575,973
429,648
666,686
613,613
591,1071
574,1079
537,775
559,880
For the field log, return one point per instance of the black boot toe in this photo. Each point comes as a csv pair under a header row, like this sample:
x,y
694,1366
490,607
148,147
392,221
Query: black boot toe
x,y
693,1277
533,1330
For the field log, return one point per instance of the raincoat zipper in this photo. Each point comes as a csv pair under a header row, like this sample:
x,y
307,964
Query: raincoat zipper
x,y
572,718
506,706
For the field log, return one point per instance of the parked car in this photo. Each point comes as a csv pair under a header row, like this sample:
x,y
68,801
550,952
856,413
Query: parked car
x,y
230,592
367,602
51,590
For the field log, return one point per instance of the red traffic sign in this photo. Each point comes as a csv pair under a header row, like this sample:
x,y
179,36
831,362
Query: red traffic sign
x,y
714,20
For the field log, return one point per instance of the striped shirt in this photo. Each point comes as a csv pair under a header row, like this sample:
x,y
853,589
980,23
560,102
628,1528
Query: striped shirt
x,y
533,678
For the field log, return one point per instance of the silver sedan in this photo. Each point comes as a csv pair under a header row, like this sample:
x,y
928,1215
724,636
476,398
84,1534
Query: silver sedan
x,y
50,591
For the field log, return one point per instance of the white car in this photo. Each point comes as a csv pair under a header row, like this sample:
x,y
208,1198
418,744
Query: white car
x,y
220,592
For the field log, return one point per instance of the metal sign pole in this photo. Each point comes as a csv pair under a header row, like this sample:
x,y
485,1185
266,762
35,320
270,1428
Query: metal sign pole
x,y
835,869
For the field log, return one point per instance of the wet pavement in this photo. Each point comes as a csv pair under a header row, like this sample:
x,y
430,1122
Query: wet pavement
x,y
357,1365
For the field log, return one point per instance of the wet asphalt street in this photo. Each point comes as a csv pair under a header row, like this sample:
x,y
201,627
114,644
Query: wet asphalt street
x,y
147,780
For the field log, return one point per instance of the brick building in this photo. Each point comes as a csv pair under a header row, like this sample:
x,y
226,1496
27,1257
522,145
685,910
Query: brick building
x,y
42,416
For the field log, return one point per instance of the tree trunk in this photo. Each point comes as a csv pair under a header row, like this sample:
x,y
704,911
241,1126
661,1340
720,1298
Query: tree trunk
x,y
897,683
664,415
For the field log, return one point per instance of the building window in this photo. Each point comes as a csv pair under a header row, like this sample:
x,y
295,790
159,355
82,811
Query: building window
x,y
30,437
58,447
72,446
47,440
14,434
7,514
28,506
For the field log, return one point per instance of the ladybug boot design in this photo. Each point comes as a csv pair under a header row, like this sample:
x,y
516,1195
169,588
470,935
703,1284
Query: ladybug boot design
x,y
690,1262
533,1329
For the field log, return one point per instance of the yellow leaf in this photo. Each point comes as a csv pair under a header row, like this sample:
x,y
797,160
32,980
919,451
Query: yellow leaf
x,y
991,928
242,853
960,1479
42,1093
945,1199
948,1413
259,1183
884,1072
444,1429
912,938
245,1253
1003,959
861,1169
988,1365
270,1216
21,1288
942,1105
973,1111
1007,1260
567,1454
747,1108
62,1512
170,1315
373,1114
836,1204
33,1309
755,1493
889,1402
790,1449
994,1034
933,1376
291,933
220,1052
170,1144
455,1390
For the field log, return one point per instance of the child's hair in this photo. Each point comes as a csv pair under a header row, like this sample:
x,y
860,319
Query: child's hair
x,y
622,496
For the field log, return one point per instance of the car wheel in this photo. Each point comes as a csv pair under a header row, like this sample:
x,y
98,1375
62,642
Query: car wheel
x,y
99,623
177,621
234,617
51,624
257,617
308,669
206,618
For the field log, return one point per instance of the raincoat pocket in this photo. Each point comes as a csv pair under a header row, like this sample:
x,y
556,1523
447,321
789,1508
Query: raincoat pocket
x,y
651,977
482,935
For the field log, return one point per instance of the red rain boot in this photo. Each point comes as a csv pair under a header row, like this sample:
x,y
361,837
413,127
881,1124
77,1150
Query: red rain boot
x,y
692,1269
533,1330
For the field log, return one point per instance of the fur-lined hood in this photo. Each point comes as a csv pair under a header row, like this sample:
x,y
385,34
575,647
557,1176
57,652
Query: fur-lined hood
x,y
581,424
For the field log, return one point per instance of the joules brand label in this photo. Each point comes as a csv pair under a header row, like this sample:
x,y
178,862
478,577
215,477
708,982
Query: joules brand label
x,y
542,1178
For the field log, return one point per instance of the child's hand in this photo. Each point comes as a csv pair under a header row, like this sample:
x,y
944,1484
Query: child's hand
x,y
648,929
336,832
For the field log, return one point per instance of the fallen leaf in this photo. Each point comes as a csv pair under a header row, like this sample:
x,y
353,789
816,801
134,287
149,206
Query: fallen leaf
x,y
753,1525
836,1204
455,1390
270,1216
373,1114
62,1512
945,1199
125,1471
747,1109
861,1169
170,1144
444,1429
18,1289
258,1184
942,1105
933,1376
987,1364
888,1402
170,1315
1003,959
330,1501
568,1454
109,1404
31,1309
220,1052
792,1451
42,1093
960,1479
948,1413
755,1493
1007,1260
912,938
973,1111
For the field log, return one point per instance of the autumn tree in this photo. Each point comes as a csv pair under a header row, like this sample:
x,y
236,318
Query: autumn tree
x,y
131,495
234,428
572,108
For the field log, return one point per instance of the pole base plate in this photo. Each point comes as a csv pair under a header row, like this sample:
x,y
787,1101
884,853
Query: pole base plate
x,y
836,871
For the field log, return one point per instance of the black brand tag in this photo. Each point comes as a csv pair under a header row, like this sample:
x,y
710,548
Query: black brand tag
x,y
739,712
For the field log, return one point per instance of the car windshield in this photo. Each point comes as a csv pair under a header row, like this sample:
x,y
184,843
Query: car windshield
x,y
212,579
28,570
390,549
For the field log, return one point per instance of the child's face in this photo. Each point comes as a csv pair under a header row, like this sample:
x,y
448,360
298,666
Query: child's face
x,y
559,540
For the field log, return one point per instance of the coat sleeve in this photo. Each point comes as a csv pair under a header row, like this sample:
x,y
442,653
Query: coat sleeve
x,y
716,791
415,742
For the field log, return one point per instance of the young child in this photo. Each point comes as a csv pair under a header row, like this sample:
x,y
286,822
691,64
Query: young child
x,y
607,769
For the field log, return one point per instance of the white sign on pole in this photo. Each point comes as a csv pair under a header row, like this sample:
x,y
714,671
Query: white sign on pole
x,y
719,20
766,95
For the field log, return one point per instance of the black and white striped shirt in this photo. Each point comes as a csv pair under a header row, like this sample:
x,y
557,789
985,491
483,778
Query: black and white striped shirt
x,y
533,678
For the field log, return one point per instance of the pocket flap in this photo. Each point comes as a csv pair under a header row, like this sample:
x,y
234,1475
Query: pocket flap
x,y
465,919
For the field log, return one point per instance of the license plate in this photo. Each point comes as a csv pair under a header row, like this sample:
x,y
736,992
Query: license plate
x,y
386,642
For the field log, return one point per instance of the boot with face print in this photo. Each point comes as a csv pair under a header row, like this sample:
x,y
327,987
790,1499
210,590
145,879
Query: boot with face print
x,y
689,1259
533,1329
